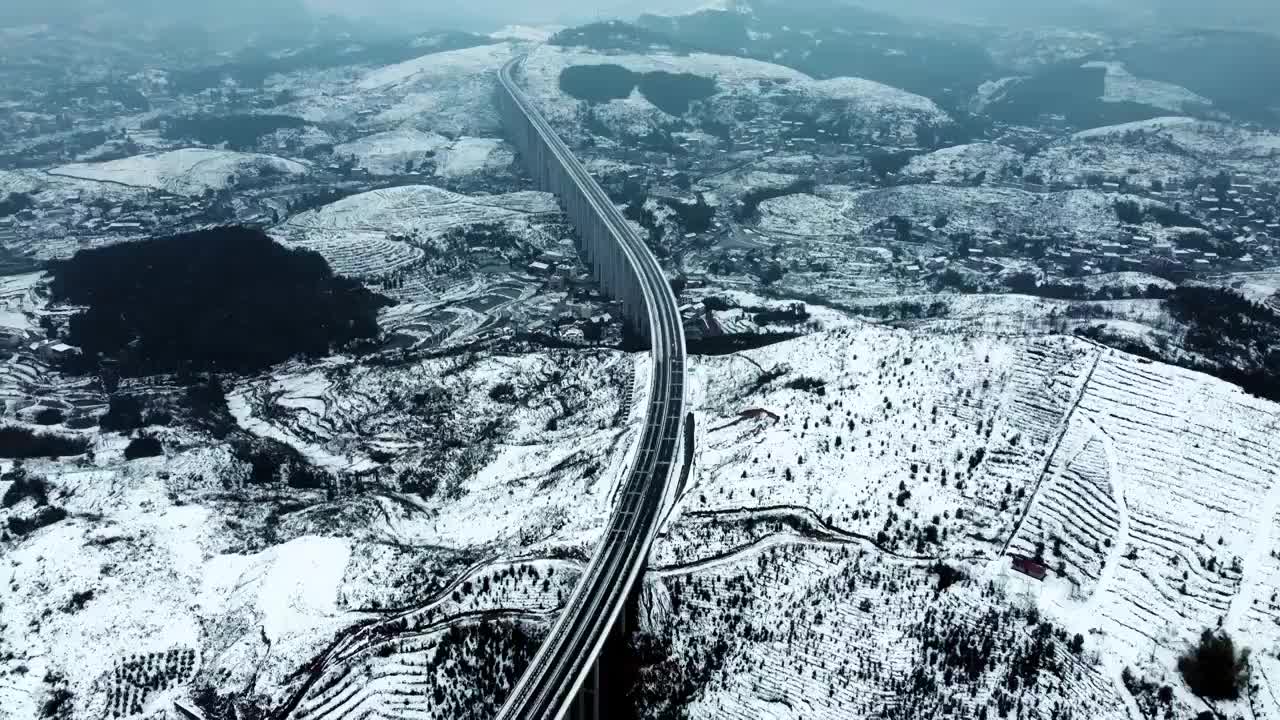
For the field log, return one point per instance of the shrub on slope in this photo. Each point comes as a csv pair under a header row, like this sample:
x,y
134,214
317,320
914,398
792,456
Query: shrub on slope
x,y
226,299
1213,669
18,442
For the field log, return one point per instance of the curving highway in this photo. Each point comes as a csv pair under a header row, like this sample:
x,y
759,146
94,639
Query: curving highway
x,y
631,275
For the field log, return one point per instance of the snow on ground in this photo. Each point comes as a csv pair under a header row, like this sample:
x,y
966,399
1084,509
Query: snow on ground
x,y
980,210
867,96
993,91
965,162
18,181
494,461
1198,137
436,66
189,171
1168,149
379,231
526,33
1123,86
835,459
292,582
870,107
175,572
388,153
17,300
115,579
447,92
395,151
289,595
468,156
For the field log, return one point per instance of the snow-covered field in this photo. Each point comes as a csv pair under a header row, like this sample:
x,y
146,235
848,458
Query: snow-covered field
x,y
494,486
178,572
189,171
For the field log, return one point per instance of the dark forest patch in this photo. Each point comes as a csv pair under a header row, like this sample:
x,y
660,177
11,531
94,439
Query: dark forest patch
x,y
597,83
254,65
239,131
612,35
19,442
143,447
1070,90
1231,68
14,203
749,207
1228,336
672,93
728,344
225,299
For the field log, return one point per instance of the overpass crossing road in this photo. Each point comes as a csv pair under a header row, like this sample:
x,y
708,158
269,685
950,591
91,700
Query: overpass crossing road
x,y
630,274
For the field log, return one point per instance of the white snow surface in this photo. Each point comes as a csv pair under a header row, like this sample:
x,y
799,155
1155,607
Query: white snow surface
x,y
437,66
368,233
291,586
1166,148
189,171
1155,490
526,33
468,156
1123,86
386,153
449,92
880,109
961,162
981,210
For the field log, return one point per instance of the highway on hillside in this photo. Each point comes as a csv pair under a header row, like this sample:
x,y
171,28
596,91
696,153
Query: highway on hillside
x,y
630,273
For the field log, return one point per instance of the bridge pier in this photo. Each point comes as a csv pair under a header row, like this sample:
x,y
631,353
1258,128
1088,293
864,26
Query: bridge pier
x,y
610,265
585,669
587,705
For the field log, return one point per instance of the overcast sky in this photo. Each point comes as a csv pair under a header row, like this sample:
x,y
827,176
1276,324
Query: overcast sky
x,y
490,14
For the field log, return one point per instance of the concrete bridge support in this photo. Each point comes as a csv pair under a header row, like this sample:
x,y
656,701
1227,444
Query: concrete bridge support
x,y
584,668
610,267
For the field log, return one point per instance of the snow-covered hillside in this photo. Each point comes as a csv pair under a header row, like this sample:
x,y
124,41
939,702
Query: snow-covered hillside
x,y
1123,86
187,571
449,92
376,232
468,156
981,210
1166,149
837,471
189,171
963,163
396,152
390,152
871,108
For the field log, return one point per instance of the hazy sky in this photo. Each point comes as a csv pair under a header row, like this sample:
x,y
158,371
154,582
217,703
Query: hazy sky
x,y
489,14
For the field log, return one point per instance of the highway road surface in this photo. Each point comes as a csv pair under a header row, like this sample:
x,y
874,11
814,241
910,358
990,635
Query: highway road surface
x,y
557,672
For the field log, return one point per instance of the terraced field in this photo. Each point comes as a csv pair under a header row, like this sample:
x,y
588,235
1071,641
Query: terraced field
x,y
1148,493
452,657
839,631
